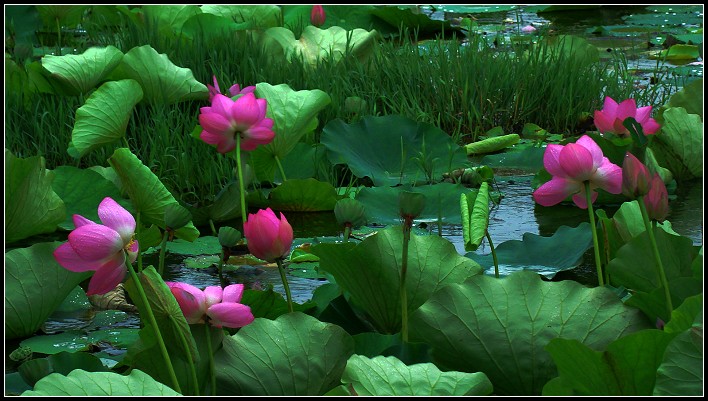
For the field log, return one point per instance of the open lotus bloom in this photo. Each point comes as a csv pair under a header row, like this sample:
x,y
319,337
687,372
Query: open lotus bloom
x,y
267,236
571,166
103,248
233,90
221,307
612,115
528,29
226,118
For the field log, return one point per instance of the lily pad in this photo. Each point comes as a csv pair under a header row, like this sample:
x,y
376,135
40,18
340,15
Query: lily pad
x,y
406,151
501,326
82,383
545,255
677,53
388,376
31,205
84,71
294,355
162,81
370,272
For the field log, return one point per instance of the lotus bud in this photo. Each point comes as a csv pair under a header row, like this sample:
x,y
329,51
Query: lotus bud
x,y
317,16
176,216
350,212
411,204
657,199
635,177
229,236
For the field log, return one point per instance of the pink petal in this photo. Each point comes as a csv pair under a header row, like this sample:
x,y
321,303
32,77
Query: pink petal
x,y
81,221
577,162
550,160
133,251
213,295
210,138
261,230
608,177
222,105
555,191
116,217
609,108
642,114
263,107
191,301
650,126
628,108
230,314
108,276
246,111
589,144
95,242
226,145
285,236
67,257
603,122
215,123
580,199
233,293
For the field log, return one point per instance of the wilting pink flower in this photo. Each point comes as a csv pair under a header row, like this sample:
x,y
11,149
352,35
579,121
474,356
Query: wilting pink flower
x,y
528,29
657,199
610,118
233,90
226,118
222,307
317,16
635,177
102,248
267,236
571,166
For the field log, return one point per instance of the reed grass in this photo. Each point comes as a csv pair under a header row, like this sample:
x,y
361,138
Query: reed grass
x,y
465,89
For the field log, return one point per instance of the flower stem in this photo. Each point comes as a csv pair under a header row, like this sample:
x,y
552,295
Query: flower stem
x,y
212,373
137,233
155,327
213,229
347,232
402,289
280,168
192,367
595,246
221,268
657,256
281,269
163,247
241,185
494,254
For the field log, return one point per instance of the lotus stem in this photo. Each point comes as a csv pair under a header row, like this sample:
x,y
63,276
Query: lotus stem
x,y
212,373
494,254
163,247
281,269
192,367
241,185
595,246
347,232
213,229
155,327
657,256
137,234
402,290
280,168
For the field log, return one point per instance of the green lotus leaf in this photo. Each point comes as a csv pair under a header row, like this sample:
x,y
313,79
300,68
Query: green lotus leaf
x,y
162,81
65,15
308,195
32,274
411,18
501,326
679,145
381,203
690,97
104,117
677,52
545,255
527,159
493,144
270,304
256,16
226,206
31,205
388,376
406,151
683,317
147,193
82,191
629,222
627,367
82,383
204,245
681,370
654,167
211,27
475,216
169,19
570,47
79,340
294,355
84,71
294,114
62,363
316,45
469,9
370,272
304,161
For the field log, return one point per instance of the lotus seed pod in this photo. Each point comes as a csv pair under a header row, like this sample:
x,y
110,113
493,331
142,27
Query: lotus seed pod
x,y
411,204
349,211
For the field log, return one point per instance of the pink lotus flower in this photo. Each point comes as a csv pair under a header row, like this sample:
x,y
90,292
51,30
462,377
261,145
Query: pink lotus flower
x,y
571,166
102,248
657,199
317,16
226,118
268,237
610,118
221,307
635,177
233,90
528,29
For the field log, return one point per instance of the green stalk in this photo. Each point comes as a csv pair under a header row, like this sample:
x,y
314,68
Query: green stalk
x,y
281,269
192,367
347,232
596,248
213,229
163,247
402,290
242,190
494,254
155,327
657,256
212,373
137,234
58,37
280,168
221,268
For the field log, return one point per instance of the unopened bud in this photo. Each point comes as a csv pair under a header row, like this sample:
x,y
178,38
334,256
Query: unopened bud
x,y
349,211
